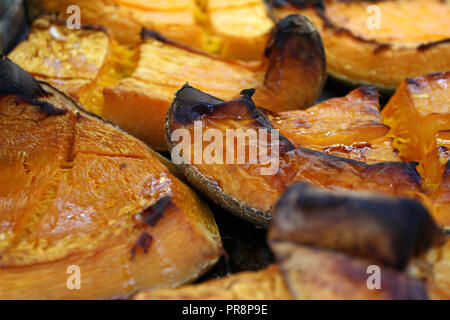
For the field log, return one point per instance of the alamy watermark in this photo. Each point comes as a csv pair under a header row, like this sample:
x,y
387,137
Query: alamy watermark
x,y
254,147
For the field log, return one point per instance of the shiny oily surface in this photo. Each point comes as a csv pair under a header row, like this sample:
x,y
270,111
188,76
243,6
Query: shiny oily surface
x,y
76,190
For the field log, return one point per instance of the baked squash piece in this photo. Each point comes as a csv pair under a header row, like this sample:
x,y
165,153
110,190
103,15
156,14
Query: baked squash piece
x,y
77,192
412,37
266,164
265,284
327,244
79,62
232,29
290,76
418,111
350,126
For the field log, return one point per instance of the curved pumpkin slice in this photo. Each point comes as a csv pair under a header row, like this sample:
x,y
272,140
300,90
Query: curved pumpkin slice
x,y
80,62
290,77
325,243
266,284
419,109
379,45
76,193
351,127
248,177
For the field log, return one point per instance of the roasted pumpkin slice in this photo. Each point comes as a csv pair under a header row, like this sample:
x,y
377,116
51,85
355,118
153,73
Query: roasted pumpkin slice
x,y
230,151
327,244
232,29
266,284
379,42
80,62
351,127
78,195
291,76
418,111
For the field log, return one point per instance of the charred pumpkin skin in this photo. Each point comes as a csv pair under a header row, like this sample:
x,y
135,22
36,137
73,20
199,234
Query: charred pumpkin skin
x,y
418,111
231,29
316,267
265,284
223,182
76,190
290,76
350,127
414,38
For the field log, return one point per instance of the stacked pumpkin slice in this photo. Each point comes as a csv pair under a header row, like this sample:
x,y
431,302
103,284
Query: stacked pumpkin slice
x,y
232,29
133,87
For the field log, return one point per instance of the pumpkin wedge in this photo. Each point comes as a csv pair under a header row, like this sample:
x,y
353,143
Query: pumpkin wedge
x,y
290,76
379,42
248,174
325,243
265,284
418,111
79,62
350,126
77,193
232,29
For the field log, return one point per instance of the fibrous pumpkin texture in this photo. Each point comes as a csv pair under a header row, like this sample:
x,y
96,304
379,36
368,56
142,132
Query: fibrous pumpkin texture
x,y
379,42
79,195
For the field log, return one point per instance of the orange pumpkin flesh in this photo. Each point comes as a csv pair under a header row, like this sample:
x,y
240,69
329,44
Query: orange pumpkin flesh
x,y
75,190
412,38
419,109
290,77
351,127
265,284
232,29
223,182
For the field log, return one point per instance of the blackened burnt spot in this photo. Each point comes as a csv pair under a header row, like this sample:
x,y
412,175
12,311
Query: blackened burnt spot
x,y
369,91
413,82
248,92
299,3
16,81
144,241
426,46
44,106
290,26
155,212
189,114
146,33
